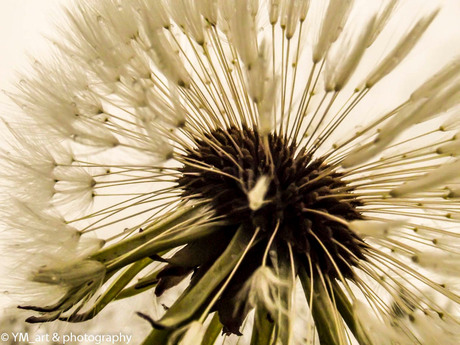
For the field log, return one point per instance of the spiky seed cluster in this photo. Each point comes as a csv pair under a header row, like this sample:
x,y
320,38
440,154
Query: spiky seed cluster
x,y
296,212
207,142
299,201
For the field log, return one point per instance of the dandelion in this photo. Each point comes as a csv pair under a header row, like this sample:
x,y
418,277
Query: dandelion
x,y
217,152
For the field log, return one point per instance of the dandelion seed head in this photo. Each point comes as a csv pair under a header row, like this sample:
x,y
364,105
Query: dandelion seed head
x,y
223,146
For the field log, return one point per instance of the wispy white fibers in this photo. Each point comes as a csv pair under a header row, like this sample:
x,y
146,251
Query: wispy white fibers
x,y
400,51
340,68
441,263
331,27
257,194
242,22
382,19
451,148
373,228
263,290
380,332
52,248
444,91
435,178
184,149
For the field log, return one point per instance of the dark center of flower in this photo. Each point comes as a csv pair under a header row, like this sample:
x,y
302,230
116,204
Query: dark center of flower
x,y
305,208
301,193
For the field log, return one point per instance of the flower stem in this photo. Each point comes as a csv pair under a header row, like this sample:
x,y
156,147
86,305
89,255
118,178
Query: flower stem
x,y
192,299
116,250
156,246
322,309
112,292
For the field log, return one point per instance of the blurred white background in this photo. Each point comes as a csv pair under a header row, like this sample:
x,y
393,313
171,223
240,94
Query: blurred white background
x,y
22,24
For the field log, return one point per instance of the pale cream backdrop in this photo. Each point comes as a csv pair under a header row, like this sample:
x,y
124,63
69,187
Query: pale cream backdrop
x,y
23,24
